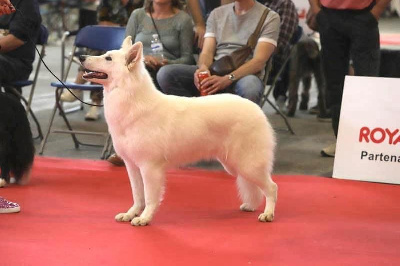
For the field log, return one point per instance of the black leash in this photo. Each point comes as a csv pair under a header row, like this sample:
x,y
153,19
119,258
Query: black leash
x,y
41,59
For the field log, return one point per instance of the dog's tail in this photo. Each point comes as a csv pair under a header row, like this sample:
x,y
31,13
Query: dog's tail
x,y
249,193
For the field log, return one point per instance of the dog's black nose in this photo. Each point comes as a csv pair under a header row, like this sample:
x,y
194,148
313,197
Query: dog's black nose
x,y
82,58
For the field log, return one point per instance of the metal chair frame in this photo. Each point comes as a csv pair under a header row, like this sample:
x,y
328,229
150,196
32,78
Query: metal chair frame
x,y
104,38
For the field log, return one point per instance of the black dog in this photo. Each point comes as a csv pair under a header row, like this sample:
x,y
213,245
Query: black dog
x,y
16,144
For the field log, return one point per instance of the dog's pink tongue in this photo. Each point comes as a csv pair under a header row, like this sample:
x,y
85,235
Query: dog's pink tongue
x,y
96,75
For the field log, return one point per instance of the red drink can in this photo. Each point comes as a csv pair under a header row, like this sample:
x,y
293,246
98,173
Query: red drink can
x,y
202,75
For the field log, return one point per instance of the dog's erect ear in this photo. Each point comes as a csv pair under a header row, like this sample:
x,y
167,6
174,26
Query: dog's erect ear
x,y
134,54
127,43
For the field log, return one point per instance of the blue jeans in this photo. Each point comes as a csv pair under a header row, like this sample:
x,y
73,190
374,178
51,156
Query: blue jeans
x,y
178,79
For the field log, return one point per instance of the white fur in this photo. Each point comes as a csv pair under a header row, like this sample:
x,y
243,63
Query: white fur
x,y
152,132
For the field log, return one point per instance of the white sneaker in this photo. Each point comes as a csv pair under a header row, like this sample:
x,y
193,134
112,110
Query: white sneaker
x,y
66,96
8,206
329,151
92,114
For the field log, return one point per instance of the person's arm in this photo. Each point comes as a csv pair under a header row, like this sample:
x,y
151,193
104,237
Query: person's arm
x,y
206,58
6,7
289,22
262,54
315,6
199,24
9,43
379,7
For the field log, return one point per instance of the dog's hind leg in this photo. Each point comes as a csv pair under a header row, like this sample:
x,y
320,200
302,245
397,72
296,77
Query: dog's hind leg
x,y
251,183
136,181
154,183
250,194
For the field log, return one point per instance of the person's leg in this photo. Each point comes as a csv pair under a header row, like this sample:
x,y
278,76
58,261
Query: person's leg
x,y
365,48
97,97
249,87
178,80
335,59
12,70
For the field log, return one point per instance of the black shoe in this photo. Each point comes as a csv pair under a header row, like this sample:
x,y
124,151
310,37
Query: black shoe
x,y
327,117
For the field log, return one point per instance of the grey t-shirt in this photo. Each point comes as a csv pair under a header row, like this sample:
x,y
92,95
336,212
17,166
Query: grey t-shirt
x,y
232,31
176,34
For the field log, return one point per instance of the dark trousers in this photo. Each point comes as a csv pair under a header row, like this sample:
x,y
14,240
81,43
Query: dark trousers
x,y
345,35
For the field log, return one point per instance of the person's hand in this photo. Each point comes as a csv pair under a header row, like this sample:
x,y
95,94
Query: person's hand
x,y
202,68
213,84
199,32
311,18
6,7
153,63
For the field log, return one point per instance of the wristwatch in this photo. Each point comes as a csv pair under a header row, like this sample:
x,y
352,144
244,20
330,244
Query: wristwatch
x,y
231,77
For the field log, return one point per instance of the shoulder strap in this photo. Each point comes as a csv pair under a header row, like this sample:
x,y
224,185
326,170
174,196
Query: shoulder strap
x,y
253,38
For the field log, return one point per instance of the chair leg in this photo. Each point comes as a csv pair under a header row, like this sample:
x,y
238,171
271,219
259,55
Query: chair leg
x,y
282,115
62,113
265,98
44,141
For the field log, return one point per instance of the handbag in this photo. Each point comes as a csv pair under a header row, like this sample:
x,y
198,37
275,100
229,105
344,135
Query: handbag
x,y
228,63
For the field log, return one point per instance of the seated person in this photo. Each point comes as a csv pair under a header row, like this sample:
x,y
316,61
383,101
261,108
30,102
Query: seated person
x,y
17,51
228,28
289,22
109,13
174,27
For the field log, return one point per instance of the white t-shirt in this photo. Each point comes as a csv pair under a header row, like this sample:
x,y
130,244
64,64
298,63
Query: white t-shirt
x,y
232,31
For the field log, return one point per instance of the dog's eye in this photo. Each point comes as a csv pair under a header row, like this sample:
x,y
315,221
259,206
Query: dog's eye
x,y
108,58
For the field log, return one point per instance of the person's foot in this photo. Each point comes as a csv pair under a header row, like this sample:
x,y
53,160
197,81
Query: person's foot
x,y
326,117
92,114
314,110
280,102
329,151
8,206
116,160
66,96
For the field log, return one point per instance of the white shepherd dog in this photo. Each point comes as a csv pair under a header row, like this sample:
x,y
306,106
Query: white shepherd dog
x,y
152,131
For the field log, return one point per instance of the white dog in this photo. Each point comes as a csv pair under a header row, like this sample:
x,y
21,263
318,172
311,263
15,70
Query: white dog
x,y
152,131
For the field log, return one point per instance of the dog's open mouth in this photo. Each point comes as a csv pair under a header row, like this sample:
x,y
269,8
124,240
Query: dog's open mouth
x,y
90,74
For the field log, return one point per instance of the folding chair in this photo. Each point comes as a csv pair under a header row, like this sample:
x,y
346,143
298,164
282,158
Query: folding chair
x,y
42,41
103,38
265,97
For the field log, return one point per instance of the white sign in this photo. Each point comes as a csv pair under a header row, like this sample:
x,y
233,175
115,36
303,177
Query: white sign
x,y
368,143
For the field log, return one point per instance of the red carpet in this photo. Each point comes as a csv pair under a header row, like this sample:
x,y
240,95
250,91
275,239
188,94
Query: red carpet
x,y
67,218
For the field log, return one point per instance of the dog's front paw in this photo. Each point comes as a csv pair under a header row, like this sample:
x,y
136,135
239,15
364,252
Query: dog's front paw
x,y
140,221
266,217
124,217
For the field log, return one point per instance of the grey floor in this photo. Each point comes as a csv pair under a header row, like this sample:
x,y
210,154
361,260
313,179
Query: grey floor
x,y
295,154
